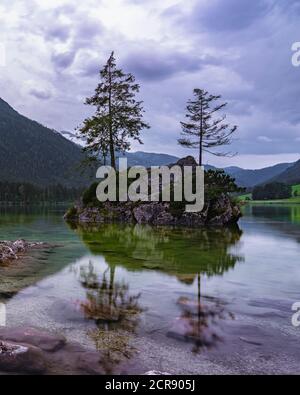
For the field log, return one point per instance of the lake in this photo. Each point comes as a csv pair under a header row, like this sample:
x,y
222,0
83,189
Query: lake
x,y
177,300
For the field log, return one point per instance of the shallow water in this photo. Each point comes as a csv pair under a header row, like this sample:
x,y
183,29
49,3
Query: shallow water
x,y
177,300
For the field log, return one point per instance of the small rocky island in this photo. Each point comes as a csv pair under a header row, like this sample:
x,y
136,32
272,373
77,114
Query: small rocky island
x,y
220,208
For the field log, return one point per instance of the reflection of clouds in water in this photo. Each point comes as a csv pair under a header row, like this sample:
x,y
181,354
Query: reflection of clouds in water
x,y
2,314
282,219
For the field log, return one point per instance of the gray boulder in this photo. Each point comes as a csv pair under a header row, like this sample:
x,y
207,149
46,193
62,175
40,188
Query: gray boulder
x,y
36,351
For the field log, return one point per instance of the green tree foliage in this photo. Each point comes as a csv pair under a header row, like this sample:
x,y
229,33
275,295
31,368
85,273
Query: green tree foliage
x,y
89,196
218,182
274,190
203,130
118,117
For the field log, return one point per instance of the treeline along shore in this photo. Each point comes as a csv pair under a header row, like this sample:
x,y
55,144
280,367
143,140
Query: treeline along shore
x,y
26,194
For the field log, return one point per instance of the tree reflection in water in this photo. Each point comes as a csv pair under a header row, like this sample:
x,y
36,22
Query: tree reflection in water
x,y
187,254
114,310
199,322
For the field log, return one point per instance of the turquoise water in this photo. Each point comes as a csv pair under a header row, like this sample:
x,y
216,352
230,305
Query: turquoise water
x,y
161,298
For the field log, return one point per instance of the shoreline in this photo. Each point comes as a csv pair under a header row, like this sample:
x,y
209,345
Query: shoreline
x,y
248,345
269,203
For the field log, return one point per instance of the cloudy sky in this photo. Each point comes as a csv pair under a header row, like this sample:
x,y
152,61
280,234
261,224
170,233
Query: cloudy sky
x,y
240,49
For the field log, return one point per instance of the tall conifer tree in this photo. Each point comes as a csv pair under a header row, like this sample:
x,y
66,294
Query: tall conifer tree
x,y
203,130
119,116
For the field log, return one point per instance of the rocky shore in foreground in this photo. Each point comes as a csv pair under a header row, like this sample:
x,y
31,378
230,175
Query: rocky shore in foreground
x,y
36,351
12,250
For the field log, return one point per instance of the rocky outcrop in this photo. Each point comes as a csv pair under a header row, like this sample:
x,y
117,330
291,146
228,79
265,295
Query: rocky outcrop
x,y
11,250
218,211
187,161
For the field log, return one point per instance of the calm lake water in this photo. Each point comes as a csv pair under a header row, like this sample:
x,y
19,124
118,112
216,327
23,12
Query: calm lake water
x,y
173,300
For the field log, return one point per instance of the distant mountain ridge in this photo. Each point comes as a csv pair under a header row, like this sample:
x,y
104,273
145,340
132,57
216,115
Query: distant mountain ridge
x,y
244,177
148,159
138,158
33,153
250,178
73,137
290,176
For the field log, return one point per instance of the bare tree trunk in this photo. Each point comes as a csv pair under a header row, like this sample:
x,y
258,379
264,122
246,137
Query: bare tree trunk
x,y
201,138
111,140
200,150
199,301
111,287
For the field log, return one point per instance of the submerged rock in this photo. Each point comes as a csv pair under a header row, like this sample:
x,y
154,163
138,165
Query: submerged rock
x,y
41,339
36,351
16,358
22,264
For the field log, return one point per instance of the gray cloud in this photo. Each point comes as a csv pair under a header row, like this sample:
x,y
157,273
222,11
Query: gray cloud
x,y
150,65
58,31
229,15
65,9
88,29
90,68
63,60
40,94
238,48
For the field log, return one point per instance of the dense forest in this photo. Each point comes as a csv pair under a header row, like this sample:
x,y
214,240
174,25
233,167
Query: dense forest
x,y
25,193
30,152
274,190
